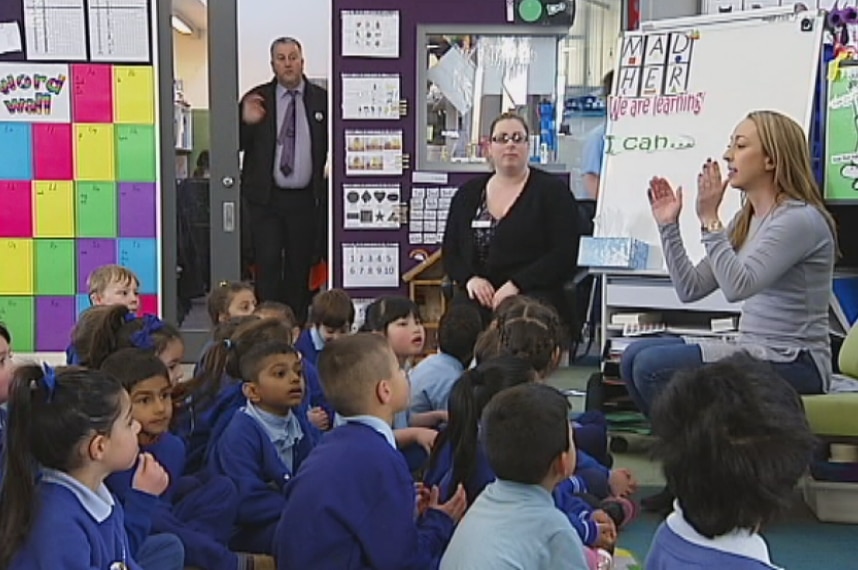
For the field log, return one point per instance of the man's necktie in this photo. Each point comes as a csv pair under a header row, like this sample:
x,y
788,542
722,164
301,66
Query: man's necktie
x,y
286,136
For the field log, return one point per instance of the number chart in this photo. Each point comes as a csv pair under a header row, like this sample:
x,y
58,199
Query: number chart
x,y
78,190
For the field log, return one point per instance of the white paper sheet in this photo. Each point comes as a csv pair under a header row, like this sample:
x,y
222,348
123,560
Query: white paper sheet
x,y
370,206
373,153
371,97
427,215
55,30
370,33
10,37
119,31
367,265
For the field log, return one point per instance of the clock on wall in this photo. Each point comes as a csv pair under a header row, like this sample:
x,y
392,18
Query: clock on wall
x,y
560,13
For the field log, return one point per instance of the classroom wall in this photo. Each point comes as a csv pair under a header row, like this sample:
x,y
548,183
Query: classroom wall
x,y
190,64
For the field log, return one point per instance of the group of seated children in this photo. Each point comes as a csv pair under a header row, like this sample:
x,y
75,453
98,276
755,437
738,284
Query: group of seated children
x,y
318,448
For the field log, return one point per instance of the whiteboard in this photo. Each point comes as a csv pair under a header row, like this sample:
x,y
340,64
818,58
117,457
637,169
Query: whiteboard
x,y
676,98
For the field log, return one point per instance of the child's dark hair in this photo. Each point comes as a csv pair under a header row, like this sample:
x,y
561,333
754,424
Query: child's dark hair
x,y
733,441
103,330
386,310
349,369
512,303
51,412
221,296
131,366
532,331
5,334
224,357
525,429
487,345
251,362
458,331
284,311
470,395
333,308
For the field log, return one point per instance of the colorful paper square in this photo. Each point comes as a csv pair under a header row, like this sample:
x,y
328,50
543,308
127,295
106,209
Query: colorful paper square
x,y
92,99
137,210
16,209
82,303
141,257
52,151
134,95
18,314
55,319
95,209
92,254
54,204
135,153
16,160
16,278
55,266
95,157
148,305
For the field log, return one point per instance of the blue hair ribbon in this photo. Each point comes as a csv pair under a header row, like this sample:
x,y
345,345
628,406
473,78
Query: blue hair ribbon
x,y
142,339
49,379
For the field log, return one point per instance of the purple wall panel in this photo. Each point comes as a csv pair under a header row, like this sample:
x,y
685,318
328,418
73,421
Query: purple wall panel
x,y
452,12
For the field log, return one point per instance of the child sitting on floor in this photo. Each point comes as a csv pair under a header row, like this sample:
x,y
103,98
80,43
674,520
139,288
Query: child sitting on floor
x,y
352,503
230,299
332,315
733,441
6,371
265,442
514,523
202,514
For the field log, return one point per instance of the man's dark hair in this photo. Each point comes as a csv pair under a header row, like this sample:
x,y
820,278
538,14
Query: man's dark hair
x,y
285,40
733,441
525,429
458,331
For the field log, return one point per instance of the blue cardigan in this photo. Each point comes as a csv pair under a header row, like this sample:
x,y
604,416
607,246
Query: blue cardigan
x,y
65,535
351,506
307,347
576,509
245,454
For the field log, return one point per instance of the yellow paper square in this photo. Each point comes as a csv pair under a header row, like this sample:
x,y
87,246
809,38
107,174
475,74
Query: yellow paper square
x,y
134,95
95,157
16,278
54,209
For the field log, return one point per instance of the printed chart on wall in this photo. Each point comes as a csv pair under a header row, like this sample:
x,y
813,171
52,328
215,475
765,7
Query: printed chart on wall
x,y
678,95
78,171
841,144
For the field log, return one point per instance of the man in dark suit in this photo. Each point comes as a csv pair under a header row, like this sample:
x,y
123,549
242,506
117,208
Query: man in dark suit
x,y
284,136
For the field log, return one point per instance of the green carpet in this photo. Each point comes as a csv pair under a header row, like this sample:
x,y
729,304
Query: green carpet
x,y
797,542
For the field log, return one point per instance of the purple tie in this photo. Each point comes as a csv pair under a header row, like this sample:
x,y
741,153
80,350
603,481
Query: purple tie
x,y
287,135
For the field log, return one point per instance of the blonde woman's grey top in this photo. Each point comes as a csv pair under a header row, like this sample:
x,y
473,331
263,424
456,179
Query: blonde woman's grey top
x,y
783,274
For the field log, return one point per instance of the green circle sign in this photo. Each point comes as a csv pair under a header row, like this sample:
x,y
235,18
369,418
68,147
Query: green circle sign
x,y
530,10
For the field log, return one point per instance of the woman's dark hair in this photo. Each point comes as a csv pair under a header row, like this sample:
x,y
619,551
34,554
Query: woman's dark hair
x,y
532,331
51,413
5,334
202,165
102,330
221,296
224,357
733,440
386,310
470,394
131,366
509,116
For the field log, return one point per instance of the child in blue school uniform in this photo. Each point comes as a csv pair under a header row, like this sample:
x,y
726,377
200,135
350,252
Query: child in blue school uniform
x,y
200,511
352,504
514,523
433,378
459,456
230,299
733,440
68,430
103,330
332,315
265,442
6,371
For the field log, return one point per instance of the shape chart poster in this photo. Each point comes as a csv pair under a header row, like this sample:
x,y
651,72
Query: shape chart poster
x,y
78,184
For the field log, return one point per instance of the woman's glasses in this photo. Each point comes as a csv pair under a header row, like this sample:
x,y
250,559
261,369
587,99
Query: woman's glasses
x,y
503,138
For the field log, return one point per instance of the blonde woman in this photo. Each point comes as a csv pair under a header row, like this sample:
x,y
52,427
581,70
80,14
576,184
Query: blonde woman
x,y
776,255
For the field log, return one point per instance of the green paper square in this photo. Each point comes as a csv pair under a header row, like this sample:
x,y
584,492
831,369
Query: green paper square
x,y
19,315
55,266
135,153
95,206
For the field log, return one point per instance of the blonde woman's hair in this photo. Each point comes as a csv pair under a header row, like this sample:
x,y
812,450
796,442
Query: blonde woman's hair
x,y
785,144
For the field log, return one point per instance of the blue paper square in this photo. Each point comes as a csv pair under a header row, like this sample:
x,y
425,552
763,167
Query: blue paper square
x,y
141,257
82,304
16,160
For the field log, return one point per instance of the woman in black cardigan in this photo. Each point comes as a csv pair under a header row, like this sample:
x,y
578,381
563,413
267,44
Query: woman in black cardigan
x,y
514,231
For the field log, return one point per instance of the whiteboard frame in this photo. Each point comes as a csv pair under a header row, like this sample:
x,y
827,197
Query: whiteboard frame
x,y
670,24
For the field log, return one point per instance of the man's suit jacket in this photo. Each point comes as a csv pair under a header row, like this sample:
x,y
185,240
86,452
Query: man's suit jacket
x,y
259,143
